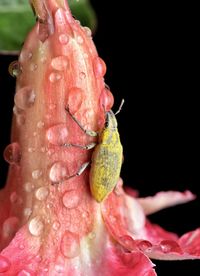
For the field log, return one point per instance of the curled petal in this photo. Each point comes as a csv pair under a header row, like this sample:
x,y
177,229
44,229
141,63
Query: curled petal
x,y
163,200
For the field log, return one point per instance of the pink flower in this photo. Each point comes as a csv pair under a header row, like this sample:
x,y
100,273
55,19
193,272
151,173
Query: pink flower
x,y
60,229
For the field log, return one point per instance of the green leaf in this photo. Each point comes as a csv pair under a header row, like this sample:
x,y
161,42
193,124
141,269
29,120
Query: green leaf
x,y
16,20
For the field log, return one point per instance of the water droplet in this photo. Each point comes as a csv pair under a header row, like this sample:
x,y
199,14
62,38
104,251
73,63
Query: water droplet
x,y
57,135
33,67
25,97
28,187
60,63
27,212
79,39
4,264
71,199
128,242
29,55
58,172
15,68
42,193
25,273
12,154
64,39
170,246
36,174
99,67
106,99
10,227
60,268
13,197
54,77
82,75
21,246
75,99
40,124
31,149
144,245
88,31
70,245
20,120
56,225
36,226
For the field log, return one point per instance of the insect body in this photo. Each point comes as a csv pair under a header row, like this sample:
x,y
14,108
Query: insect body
x,y
106,158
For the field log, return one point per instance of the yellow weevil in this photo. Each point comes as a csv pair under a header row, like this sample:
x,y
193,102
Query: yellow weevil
x,y
106,158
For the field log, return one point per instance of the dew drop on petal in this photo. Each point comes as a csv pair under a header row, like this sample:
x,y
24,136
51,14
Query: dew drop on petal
x,y
40,124
79,39
70,245
144,245
10,227
60,63
64,39
75,99
127,241
28,187
58,172
82,75
170,246
13,197
71,199
36,174
106,99
12,154
15,68
60,268
36,226
99,67
56,225
25,273
25,97
4,264
27,212
42,193
57,135
54,77
33,67
88,31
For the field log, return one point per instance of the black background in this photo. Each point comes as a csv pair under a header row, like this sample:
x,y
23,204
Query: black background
x,y
151,56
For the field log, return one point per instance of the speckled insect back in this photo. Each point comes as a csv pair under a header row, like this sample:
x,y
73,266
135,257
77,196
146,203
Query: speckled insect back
x,y
106,160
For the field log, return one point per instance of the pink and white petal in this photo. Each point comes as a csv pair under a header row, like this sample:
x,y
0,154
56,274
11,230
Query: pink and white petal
x,y
163,200
190,242
120,263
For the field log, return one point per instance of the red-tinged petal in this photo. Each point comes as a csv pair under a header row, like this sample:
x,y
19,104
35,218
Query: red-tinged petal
x,y
163,200
190,242
121,263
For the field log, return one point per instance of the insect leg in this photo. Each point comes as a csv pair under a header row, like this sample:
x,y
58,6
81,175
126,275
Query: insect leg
x,y
86,147
88,132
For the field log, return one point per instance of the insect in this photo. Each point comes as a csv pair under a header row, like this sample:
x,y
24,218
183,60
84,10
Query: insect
x,y
106,158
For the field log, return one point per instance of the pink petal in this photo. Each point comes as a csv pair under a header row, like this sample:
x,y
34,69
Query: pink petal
x,y
163,200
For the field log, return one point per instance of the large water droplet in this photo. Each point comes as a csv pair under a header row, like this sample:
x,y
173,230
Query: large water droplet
x,y
25,97
36,174
12,154
58,172
57,135
60,63
106,99
75,99
4,264
64,39
128,242
71,199
10,227
42,193
15,68
70,245
54,77
99,67
170,246
36,226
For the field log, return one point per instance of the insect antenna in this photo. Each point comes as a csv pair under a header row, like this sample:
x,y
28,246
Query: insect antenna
x,y
120,107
